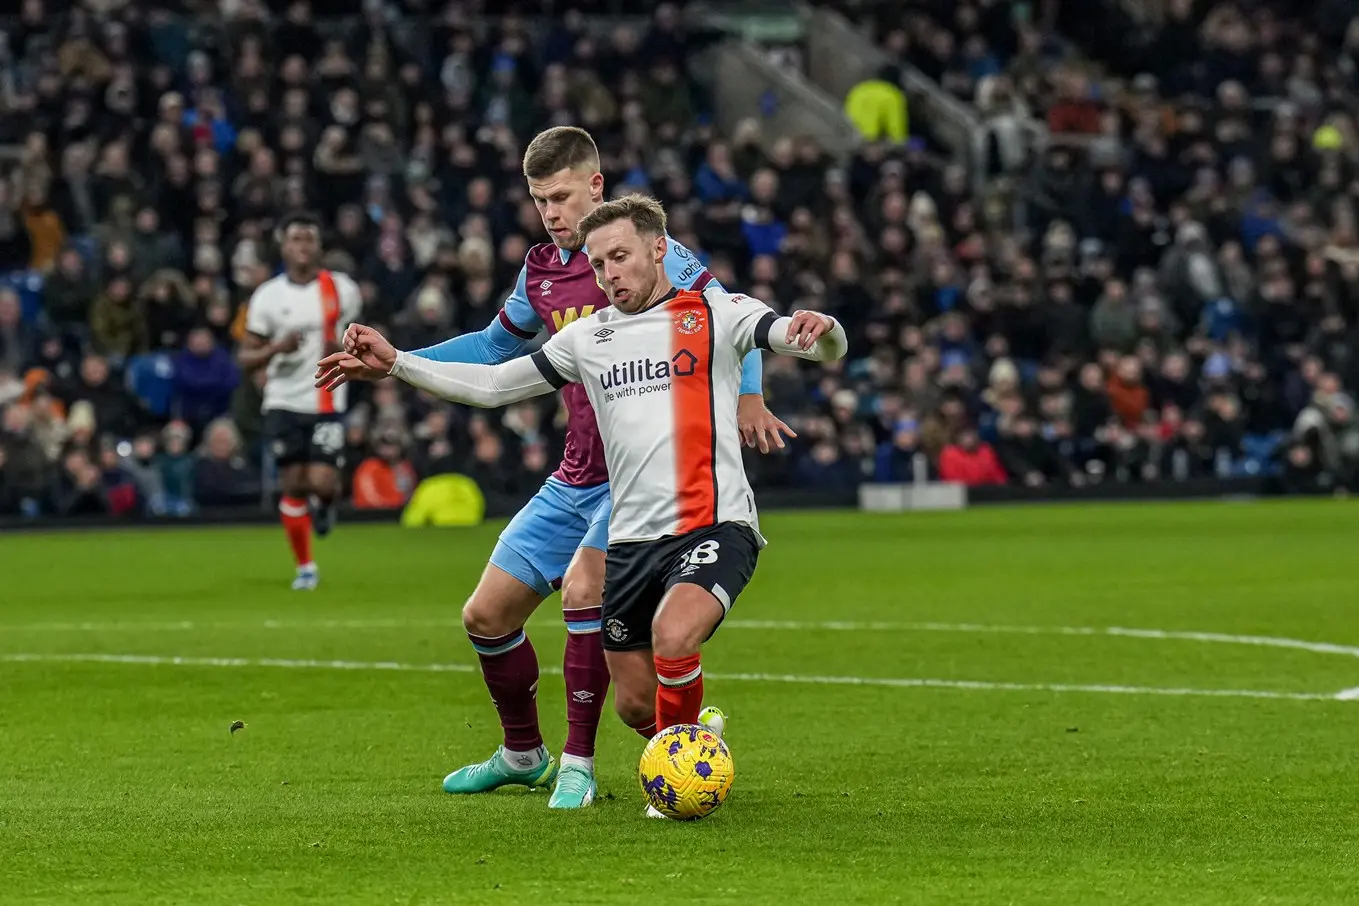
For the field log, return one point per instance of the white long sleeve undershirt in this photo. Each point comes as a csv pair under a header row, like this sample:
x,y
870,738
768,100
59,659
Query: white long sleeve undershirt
x,y
484,386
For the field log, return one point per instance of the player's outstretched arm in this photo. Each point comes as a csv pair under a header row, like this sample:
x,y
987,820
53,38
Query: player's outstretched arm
x,y
490,346
485,386
503,339
369,356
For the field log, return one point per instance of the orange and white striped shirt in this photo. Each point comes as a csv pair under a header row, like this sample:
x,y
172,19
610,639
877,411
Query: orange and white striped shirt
x,y
320,312
663,384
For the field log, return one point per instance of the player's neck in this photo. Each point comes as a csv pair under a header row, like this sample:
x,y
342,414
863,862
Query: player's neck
x,y
662,292
302,277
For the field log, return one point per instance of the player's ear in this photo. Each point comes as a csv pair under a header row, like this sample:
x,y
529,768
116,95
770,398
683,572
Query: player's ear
x,y
597,186
661,249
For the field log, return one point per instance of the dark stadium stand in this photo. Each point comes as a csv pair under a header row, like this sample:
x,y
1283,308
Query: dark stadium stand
x,y
1163,288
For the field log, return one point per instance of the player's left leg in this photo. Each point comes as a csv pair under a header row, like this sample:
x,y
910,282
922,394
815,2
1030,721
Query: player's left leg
x,y
323,483
325,456
710,570
583,666
687,616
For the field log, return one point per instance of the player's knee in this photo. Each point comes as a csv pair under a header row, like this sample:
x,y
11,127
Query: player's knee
x,y
685,619
324,483
672,638
479,618
581,590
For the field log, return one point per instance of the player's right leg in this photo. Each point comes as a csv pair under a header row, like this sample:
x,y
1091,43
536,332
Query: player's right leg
x,y
288,436
632,591
583,667
532,553
634,689
494,617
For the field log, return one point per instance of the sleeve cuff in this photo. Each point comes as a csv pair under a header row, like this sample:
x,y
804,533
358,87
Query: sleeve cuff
x,y
546,369
763,329
514,328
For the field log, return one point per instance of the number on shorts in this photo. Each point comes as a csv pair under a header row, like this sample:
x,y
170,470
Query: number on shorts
x,y
328,436
703,554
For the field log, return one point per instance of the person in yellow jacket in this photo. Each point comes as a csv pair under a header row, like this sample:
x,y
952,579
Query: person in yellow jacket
x,y
877,106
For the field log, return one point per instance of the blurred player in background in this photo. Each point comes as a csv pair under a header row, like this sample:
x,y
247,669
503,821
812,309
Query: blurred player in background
x,y
558,539
292,318
661,369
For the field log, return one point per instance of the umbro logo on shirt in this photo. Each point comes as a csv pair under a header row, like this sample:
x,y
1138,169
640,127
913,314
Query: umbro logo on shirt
x,y
546,287
603,334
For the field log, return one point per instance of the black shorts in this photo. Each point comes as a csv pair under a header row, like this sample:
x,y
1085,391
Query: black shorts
x,y
297,438
637,574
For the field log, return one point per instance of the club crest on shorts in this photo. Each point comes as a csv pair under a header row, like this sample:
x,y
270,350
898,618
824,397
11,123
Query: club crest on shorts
x,y
688,322
616,630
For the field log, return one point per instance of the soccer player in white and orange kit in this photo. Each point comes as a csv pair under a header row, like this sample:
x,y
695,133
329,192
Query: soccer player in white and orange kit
x,y
292,320
662,368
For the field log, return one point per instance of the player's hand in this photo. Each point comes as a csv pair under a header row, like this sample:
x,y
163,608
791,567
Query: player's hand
x,y
367,356
289,343
760,428
807,327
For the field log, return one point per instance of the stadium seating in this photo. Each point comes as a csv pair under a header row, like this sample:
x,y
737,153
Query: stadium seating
x,y
1199,219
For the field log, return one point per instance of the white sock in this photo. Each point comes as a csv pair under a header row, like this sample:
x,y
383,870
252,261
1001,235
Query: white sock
x,y
307,567
524,761
579,761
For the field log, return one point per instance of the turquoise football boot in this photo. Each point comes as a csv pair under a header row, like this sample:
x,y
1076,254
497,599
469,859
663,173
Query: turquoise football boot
x,y
575,788
493,773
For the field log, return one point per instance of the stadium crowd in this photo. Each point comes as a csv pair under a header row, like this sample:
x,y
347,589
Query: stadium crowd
x,y
1167,288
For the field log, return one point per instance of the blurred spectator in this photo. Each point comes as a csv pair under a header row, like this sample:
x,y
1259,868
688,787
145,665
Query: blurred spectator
x,y
221,476
205,378
81,487
175,466
26,472
386,479
68,291
16,341
116,410
971,462
168,302
117,319
121,490
138,461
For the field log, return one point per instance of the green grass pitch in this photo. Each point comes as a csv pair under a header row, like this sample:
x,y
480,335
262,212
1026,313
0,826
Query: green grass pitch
x,y
932,708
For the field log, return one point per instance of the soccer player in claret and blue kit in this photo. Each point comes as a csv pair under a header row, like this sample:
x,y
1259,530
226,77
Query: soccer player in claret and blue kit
x,y
558,540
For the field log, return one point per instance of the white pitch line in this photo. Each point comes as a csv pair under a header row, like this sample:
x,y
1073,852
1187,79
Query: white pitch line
x,y
1348,695
888,682
786,625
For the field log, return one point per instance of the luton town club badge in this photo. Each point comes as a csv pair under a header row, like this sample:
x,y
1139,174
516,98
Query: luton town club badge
x,y
689,322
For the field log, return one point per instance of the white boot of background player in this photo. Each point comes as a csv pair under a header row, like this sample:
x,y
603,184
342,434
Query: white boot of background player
x,y
308,577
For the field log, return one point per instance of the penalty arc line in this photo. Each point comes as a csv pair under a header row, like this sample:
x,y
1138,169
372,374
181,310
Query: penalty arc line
x,y
887,682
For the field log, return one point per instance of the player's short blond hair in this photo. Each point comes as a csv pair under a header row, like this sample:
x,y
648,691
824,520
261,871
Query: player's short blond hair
x,y
646,215
560,148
